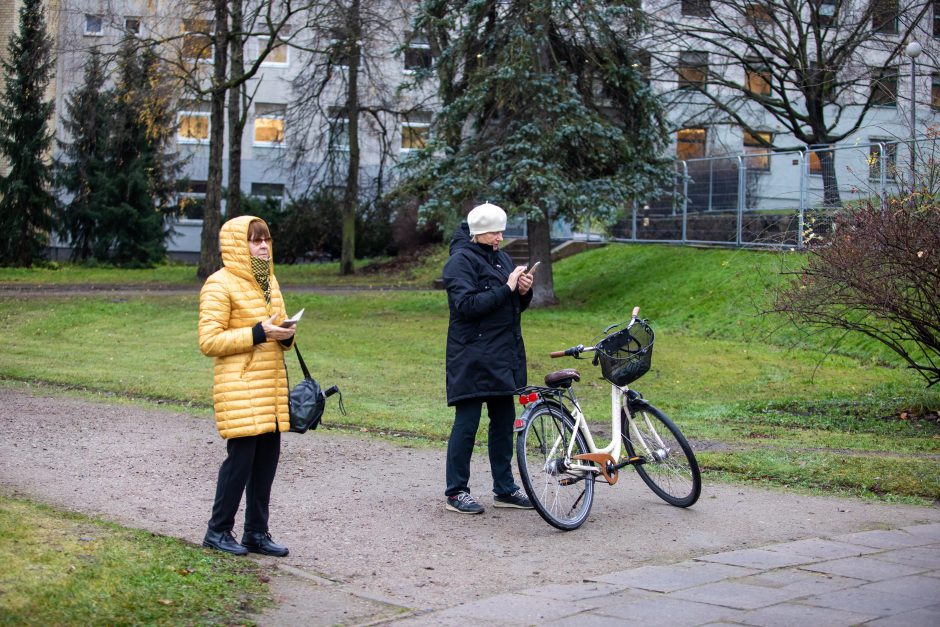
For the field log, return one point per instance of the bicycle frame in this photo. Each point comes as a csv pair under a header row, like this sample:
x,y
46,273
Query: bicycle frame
x,y
553,396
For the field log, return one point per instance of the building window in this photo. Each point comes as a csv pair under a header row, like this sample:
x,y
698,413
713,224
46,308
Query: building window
x,y
278,55
757,144
339,48
192,124
816,156
415,130
268,190
826,13
269,124
884,86
884,16
935,90
339,129
197,39
936,18
132,25
757,77
690,143
94,25
418,53
693,70
874,158
758,13
696,8
192,198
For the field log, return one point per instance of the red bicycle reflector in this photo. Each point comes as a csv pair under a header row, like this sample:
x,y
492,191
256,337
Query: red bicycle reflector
x,y
533,397
518,424
523,399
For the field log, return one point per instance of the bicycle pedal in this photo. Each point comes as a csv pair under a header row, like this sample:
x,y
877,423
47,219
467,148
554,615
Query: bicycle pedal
x,y
637,461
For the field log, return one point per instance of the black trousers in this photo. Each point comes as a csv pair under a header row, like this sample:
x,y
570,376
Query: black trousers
x,y
249,469
502,413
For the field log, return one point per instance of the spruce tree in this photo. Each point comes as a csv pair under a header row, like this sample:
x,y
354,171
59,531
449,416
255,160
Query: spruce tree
x,y
26,204
83,172
545,111
130,223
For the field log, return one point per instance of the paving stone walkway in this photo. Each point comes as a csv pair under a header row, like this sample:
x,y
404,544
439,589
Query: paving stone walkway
x,y
882,578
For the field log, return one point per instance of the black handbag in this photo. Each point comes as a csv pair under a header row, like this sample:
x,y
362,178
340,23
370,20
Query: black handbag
x,y
307,401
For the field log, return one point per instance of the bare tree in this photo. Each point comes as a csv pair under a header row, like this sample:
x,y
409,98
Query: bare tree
x,y
814,67
223,39
347,103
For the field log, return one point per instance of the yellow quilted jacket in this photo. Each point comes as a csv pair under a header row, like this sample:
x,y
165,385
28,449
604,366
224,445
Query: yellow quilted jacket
x,y
250,381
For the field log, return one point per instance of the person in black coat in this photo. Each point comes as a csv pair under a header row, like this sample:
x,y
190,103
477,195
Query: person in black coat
x,y
486,362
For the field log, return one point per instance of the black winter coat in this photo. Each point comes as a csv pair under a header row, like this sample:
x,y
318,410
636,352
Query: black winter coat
x,y
485,353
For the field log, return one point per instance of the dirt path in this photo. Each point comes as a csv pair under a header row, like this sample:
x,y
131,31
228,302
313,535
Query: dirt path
x,y
364,519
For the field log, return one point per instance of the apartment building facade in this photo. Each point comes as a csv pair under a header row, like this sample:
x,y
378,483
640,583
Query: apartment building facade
x,y
294,142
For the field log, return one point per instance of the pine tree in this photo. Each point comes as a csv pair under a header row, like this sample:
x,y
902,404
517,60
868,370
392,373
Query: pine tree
x,y
26,203
544,111
130,223
83,172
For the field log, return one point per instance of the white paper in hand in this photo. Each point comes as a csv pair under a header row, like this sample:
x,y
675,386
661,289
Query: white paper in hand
x,y
293,320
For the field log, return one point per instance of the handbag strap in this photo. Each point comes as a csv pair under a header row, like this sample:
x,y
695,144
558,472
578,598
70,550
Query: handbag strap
x,y
303,366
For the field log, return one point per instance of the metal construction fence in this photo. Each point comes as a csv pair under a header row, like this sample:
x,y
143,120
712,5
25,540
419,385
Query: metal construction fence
x,y
776,199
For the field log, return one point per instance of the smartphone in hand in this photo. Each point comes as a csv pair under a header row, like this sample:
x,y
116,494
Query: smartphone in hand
x,y
530,269
292,321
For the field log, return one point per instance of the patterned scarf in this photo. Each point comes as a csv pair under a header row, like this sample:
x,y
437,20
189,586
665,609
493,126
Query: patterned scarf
x,y
261,268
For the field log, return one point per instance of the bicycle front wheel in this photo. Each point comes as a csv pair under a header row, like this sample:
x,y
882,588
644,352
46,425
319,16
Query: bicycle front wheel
x,y
560,494
670,468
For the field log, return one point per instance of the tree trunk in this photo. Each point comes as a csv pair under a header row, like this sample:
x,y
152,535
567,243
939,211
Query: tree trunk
x,y
210,258
236,122
540,249
827,161
351,195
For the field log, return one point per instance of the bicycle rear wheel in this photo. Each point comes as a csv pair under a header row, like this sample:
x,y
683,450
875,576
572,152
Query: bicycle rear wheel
x,y
670,470
562,496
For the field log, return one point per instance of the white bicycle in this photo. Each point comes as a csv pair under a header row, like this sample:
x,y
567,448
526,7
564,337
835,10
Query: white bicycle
x,y
557,456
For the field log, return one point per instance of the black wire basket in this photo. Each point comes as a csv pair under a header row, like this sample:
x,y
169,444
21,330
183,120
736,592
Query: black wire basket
x,y
626,355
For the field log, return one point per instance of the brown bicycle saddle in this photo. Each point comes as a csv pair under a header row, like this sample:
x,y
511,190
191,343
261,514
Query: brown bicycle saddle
x,y
562,378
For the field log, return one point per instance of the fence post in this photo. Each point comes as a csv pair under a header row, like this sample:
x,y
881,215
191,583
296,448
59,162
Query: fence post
x,y
883,173
711,182
685,197
804,174
742,187
633,223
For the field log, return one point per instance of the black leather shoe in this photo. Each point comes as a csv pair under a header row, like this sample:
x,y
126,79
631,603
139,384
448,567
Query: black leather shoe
x,y
223,541
261,542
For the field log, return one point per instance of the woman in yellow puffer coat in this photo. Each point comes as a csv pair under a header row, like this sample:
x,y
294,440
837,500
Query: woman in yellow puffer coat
x,y
239,309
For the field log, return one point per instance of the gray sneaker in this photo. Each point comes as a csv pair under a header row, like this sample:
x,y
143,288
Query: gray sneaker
x,y
517,499
463,503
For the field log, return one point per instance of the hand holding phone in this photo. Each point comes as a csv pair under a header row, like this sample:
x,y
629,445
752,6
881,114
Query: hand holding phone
x,y
530,269
292,321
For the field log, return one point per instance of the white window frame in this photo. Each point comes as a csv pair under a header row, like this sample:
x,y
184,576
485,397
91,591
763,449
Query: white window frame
x,y
210,58
140,25
755,152
267,115
193,140
420,44
417,125
337,118
94,33
261,42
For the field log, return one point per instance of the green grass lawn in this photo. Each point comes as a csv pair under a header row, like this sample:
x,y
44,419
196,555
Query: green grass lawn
x,y
762,403
65,569
782,411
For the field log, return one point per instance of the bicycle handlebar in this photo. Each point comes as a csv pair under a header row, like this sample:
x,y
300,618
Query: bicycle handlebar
x,y
574,351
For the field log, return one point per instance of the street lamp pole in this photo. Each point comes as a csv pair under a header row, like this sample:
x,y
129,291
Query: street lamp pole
x,y
913,50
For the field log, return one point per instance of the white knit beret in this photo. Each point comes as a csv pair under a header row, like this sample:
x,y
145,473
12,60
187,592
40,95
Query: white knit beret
x,y
486,218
